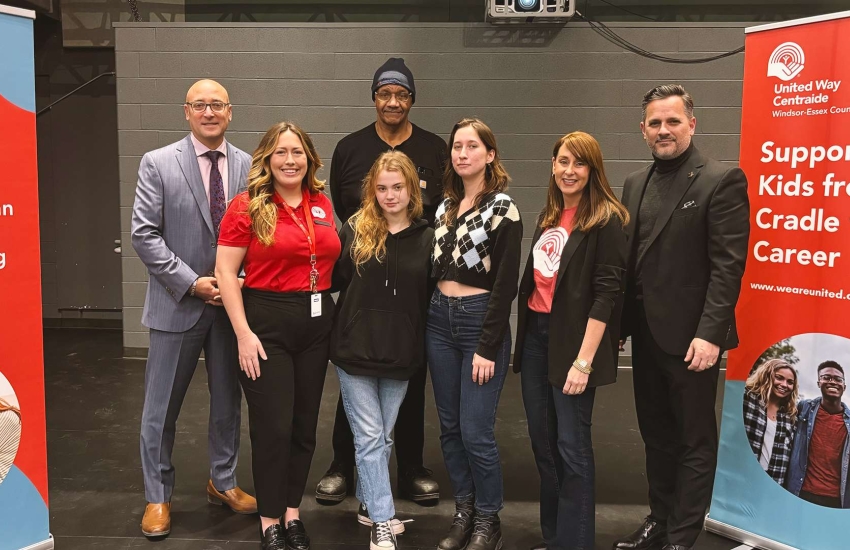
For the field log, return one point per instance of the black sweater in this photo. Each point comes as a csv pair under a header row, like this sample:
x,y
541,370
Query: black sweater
x,y
379,328
355,154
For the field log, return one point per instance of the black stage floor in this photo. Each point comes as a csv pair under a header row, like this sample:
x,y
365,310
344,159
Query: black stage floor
x,y
94,402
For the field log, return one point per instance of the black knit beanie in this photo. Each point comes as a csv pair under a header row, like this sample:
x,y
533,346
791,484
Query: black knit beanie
x,y
394,71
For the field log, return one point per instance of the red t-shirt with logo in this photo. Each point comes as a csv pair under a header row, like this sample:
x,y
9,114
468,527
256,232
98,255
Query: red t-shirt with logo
x,y
823,474
547,260
285,265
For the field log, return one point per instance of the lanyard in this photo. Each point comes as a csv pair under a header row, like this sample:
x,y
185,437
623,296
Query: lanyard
x,y
309,232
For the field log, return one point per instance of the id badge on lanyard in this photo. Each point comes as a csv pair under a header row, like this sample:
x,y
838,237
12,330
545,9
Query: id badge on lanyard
x,y
310,233
315,305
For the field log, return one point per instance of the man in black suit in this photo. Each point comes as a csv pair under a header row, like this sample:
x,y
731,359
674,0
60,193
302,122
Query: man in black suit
x,y
688,245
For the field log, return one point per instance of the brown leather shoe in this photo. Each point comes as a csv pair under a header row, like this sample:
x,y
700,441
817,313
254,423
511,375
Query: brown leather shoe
x,y
236,499
157,520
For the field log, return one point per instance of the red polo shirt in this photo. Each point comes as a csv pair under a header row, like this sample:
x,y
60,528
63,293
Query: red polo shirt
x,y
285,265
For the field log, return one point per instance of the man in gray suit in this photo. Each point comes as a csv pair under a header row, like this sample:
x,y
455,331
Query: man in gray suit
x,y
181,197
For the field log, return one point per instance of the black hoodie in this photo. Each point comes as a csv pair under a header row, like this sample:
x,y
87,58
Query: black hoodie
x,y
379,329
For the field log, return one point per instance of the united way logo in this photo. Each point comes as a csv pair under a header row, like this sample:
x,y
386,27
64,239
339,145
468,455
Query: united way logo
x,y
786,61
547,251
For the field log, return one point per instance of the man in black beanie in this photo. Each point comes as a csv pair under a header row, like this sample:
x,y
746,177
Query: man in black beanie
x,y
393,92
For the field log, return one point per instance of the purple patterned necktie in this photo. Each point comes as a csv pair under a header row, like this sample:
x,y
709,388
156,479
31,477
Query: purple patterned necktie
x,y
217,202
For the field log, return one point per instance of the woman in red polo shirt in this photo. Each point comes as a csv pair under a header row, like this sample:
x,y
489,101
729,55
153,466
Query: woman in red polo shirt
x,y
282,233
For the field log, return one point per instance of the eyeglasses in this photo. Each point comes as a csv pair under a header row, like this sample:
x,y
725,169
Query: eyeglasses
x,y
200,106
401,97
831,379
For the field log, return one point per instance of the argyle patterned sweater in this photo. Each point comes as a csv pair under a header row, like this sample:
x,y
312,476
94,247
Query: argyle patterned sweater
x,y
482,249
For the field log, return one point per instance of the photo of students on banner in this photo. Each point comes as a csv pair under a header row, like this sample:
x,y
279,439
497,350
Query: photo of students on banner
x,y
770,409
797,420
10,426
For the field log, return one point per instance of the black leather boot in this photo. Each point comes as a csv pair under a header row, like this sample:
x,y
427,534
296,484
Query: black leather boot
x,y
461,529
418,484
652,535
333,487
486,533
273,538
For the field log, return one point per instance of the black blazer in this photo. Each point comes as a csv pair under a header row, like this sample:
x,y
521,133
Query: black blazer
x,y
590,284
693,264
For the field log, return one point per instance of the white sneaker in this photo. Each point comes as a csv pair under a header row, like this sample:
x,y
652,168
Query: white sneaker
x,y
363,519
382,537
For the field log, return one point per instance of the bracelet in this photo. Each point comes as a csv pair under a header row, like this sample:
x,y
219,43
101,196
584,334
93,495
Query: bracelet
x,y
582,366
192,289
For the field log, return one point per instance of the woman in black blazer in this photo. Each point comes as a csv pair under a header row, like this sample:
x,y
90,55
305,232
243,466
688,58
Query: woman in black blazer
x,y
572,287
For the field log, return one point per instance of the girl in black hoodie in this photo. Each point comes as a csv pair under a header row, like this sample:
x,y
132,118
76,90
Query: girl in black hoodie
x,y
378,338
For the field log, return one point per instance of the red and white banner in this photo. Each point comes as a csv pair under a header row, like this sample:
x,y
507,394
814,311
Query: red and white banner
x,y
23,448
778,485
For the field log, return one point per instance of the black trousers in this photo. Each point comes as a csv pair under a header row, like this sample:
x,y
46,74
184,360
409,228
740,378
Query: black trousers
x,y
283,403
409,439
676,414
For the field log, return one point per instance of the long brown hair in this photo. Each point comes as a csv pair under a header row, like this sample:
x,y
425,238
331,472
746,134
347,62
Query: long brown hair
x,y
598,202
261,206
496,178
369,223
6,406
760,383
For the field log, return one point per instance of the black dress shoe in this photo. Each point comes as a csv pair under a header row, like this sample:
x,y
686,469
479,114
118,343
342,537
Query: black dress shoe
x,y
273,538
296,536
333,487
676,547
652,535
418,484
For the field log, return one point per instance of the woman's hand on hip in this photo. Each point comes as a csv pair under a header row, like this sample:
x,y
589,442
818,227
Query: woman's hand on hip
x,y
576,382
249,350
482,369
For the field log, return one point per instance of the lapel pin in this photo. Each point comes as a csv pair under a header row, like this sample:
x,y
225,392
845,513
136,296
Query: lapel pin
x,y
690,174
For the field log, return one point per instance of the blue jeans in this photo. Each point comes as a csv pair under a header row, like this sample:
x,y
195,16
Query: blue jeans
x,y
559,428
467,410
371,405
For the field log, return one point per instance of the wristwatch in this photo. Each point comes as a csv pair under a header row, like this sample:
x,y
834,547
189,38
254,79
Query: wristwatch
x,y
582,366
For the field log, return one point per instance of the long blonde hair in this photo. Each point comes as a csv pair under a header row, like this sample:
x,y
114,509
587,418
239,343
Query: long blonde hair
x,y
760,383
261,206
496,178
369,223
598,202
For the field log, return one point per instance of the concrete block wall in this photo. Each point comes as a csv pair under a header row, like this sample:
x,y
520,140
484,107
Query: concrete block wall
x,y
530,84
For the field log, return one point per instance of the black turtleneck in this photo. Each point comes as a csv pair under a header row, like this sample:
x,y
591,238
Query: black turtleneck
x,y
663,176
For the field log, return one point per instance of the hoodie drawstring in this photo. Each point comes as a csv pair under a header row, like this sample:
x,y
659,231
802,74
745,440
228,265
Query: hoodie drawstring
x,y
395,282
387,278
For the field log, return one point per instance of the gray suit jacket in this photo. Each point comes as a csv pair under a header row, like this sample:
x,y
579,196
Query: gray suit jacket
x,y
172,230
